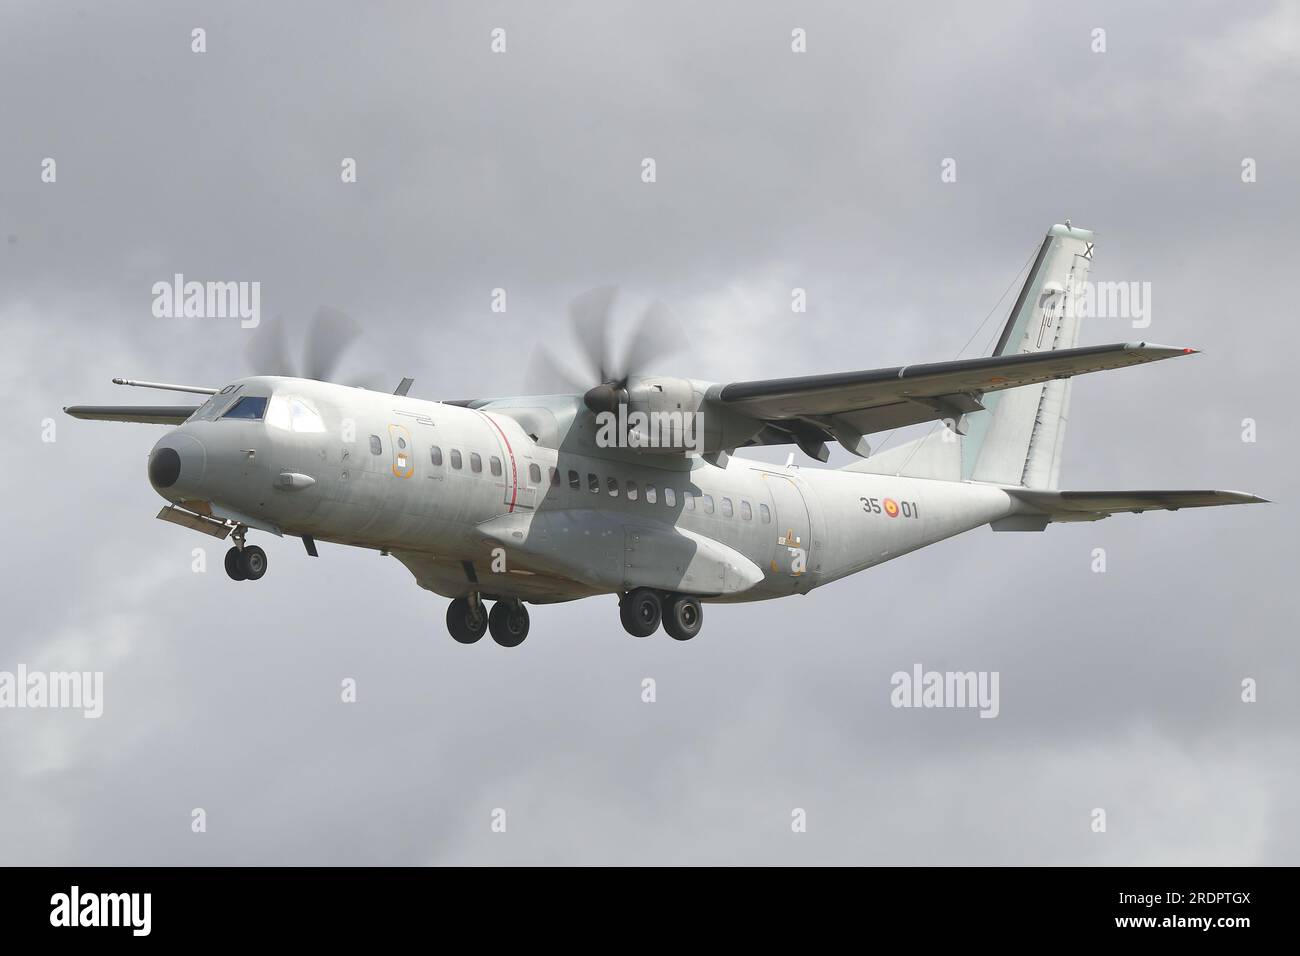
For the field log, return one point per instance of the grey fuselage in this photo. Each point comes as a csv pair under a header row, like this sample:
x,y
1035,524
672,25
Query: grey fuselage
x,y
535,509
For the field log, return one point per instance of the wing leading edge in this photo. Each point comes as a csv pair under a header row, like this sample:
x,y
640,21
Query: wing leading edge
x,y
878,399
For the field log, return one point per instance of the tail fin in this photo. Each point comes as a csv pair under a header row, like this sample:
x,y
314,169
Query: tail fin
x,y
1018,439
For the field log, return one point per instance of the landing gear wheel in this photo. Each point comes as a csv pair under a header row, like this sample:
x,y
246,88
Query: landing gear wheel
x,y
466,624
508,622
252,562
233,566
683,617
640,612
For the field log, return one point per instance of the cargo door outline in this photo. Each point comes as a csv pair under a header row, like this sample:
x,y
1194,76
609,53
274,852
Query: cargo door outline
x,y
792,553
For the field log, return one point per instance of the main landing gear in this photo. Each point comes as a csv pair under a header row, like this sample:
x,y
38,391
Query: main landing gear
x,y
468,620
244,562
644,609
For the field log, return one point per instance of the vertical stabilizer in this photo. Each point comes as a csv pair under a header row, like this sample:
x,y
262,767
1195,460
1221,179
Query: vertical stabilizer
x,y
1017,440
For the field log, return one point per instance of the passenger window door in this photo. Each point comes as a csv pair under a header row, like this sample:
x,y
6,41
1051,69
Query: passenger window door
x,y
403,456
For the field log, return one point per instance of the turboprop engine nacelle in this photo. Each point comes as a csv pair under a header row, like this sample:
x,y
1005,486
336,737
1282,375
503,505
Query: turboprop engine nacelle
x,y
666,415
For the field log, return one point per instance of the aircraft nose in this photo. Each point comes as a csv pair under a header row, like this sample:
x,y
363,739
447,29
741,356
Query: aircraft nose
x,y
177,462
164,467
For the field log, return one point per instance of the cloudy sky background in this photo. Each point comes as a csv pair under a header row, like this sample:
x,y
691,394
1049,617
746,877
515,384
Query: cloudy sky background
x,y
1118,690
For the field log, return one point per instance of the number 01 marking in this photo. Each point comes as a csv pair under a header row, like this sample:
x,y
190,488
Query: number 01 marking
x,y
890,508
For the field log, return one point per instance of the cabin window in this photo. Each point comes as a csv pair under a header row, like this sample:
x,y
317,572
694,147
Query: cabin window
x,y
708,503
555,477
575,480
593,483
650,494
376,446
435,456
631,491
670,498
612,484
455,458
475,462
746,512
727,509
765,513
494,463
250,408
535,474
688,501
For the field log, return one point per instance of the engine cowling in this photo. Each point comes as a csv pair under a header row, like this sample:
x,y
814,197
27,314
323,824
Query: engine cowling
x,y
662,415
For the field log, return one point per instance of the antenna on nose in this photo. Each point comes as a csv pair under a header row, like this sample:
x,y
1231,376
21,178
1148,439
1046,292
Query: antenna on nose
x,y
197,389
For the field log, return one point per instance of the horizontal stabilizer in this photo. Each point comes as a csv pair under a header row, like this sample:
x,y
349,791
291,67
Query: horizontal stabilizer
x,y
146,414
1095,505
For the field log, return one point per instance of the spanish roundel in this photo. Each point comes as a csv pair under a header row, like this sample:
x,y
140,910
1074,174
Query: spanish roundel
x,y
891,507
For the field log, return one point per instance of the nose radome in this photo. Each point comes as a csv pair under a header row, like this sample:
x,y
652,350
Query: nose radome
x,y
177,462
164,467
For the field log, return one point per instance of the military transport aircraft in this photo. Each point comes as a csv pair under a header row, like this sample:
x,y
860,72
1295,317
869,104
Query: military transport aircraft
x,y
630,486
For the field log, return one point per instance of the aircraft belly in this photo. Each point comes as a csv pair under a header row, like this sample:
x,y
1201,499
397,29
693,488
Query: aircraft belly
x,y
606,551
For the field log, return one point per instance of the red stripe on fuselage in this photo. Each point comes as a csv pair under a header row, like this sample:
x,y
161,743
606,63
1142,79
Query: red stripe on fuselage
x,y
510,453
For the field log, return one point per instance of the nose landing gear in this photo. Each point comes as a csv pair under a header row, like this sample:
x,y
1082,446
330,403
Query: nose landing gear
x,y
244,563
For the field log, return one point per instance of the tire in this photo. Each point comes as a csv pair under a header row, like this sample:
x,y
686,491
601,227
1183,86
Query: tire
x,y
508,622
233,566
252,561
640,612
462,625
683,617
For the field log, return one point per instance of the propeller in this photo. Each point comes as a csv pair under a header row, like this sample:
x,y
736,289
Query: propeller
x,y
603,376
330,334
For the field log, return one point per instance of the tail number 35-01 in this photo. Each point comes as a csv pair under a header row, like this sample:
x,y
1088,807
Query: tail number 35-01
x,y
890,508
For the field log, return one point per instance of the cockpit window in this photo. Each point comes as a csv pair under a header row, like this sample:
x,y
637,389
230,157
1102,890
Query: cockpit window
x,y
210,410
251,407
293,413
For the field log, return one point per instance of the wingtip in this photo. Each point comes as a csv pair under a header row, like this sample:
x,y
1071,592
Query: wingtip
x,y
1161,351
1246,498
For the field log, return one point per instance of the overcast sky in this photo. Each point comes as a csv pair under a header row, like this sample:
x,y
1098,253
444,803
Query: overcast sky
x,y
775,170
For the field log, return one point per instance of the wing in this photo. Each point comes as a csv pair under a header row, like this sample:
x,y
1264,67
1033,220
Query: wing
x,y
147,414
847,405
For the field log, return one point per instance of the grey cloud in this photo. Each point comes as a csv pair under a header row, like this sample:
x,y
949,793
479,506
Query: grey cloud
x,y
521,171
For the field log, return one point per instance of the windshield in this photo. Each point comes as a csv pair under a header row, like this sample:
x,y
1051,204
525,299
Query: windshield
x,y
250,408
294,413
214,406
